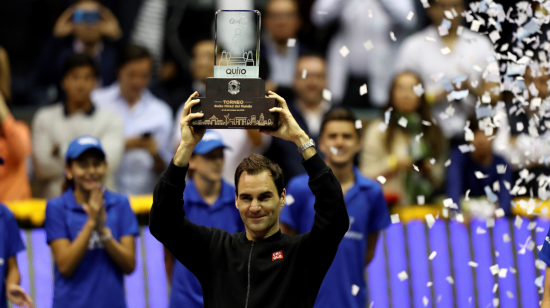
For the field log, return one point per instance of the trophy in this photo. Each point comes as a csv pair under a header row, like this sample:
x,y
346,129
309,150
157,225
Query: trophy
x,y
235,96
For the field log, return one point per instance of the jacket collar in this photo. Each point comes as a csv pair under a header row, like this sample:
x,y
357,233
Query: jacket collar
x,y
274,238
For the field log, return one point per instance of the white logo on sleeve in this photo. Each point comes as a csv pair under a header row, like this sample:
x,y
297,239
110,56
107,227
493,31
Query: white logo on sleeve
x,y
354,235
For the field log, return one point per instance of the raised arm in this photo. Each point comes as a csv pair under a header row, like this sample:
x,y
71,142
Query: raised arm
x,y
187,241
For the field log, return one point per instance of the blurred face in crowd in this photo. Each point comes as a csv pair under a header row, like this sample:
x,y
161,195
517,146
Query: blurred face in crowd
x,y
282,20
258,202
404,98
88,170
88,33
134,77
203,59
310,89
437,9
482,144
343,138
208,166
78,83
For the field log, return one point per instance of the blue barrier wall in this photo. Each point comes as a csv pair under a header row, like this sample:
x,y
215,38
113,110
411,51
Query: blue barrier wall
x,y
402,247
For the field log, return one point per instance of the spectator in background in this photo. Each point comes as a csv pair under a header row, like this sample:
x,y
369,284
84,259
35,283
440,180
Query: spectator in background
x,y
11,244
208,201
407,137
85,27
307,108
91,232
448,57
147,122
462,177
523,141
367,209
15,148
5,76
281,23
55,126
361,22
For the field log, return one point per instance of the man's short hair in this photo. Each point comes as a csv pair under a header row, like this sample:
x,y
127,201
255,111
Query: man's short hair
x,y
339,114
78,60
130,53
256,164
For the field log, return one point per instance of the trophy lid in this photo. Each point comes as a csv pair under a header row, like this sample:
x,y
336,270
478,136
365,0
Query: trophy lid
x,y
237,39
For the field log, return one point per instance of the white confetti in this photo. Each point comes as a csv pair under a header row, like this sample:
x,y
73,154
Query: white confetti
x,y
513,270
371,304
394,218
501,169
425,301
448,14
392,36
459,30
334,150
410,16
354,289
327,95
495,288
291,42
494,36
450,279
403,276
494,269
418,90
472,264
490,222
363,89
510,294
502,272
480,175
304,74
480,230
448,162
539,229
518,222
289,199
430,220
368,45
358,124
432,255
460,218
420,200
531,226
495,302
475,25
381,179
506,238
432,161
415,167
499,213
467,196
429,284
382,127
445,51
344,51
448,202
402,122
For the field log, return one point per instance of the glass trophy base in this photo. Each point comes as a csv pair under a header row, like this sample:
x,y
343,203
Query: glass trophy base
x,y
233,103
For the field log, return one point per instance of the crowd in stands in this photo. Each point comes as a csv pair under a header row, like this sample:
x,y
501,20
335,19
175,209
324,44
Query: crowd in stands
x,y
410,103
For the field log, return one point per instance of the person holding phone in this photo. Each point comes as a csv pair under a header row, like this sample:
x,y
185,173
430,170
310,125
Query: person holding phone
x,y
91,232
260,267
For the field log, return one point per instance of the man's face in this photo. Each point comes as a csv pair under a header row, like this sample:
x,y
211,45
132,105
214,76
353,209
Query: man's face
x,y
202,64
78,83
258,201
342,137
88,33
134,76
436,12
208,166
310,89
282,20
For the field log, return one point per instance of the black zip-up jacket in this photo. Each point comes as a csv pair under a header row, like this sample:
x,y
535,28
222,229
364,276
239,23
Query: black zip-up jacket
x,y
279,271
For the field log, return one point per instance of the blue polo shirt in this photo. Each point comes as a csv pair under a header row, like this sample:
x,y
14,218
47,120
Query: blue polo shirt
x,y
98,281
368,213
10,245
186,289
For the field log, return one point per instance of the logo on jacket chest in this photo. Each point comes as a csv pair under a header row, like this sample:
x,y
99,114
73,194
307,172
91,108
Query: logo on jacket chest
x,y
277,255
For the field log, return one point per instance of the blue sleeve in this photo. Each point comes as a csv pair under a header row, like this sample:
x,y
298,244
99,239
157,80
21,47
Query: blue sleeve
x,y
504,197
128,220
379,215
290,214
14,241
454,176
544,253
55,225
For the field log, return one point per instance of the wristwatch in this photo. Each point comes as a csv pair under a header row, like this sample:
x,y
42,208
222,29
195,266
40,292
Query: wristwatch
x,y
107,236
306,145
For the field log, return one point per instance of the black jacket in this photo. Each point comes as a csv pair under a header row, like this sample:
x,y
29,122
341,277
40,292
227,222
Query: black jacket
x,y
236,272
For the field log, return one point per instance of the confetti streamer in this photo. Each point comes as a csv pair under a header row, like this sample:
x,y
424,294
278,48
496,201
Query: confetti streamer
x,y
432,255
403,276
291,42
394,218
381,179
